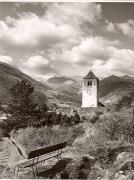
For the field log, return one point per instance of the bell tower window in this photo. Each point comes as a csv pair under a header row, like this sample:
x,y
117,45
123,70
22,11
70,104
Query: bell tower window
x,y
89,83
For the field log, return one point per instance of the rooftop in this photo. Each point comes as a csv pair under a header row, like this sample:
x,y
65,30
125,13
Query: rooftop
x,y
90,75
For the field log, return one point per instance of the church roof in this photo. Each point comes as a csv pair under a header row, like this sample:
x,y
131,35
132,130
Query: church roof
x,y
90,75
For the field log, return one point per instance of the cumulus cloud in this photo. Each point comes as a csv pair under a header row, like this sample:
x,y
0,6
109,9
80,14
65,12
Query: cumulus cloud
x,y
37,65
99,54
6,59
126,28
31,32
74,13
65,38
86,52
58,27
110,26
120,63
36,61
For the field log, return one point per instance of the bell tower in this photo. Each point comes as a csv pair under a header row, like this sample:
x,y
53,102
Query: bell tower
x,y
90,90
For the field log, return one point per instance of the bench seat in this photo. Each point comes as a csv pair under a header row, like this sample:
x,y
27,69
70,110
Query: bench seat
x,y
29,162
40,155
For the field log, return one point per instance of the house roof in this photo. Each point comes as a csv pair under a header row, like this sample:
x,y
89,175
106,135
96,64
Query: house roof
x,y
90,75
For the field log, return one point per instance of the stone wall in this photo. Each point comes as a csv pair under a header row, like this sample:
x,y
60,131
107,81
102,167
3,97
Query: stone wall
x,y
81,111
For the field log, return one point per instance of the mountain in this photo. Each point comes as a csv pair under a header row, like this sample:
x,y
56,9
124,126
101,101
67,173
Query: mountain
x,y
67,86
115,87
127,77
111,88
63,90
114,83
10,75
60,80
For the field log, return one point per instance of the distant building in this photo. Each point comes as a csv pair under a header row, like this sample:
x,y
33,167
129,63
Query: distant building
x,y
3,116
90,90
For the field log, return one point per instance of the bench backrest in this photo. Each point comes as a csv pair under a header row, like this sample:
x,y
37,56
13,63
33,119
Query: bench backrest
x,y
42,151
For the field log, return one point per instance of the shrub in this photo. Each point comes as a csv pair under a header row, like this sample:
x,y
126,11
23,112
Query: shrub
x,y
115,125
124,102
94,119
95,116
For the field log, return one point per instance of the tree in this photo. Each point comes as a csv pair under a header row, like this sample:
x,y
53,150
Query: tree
x,y
23,110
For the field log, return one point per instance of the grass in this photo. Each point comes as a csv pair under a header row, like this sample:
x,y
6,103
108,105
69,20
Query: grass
x,y
32,138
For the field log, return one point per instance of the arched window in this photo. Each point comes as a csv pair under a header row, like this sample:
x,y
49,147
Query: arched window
x,y
89,83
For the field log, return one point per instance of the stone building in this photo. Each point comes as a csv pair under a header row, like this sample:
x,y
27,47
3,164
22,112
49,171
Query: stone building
x,y
90,90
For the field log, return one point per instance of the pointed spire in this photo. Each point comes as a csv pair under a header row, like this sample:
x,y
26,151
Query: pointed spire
x,y
90,75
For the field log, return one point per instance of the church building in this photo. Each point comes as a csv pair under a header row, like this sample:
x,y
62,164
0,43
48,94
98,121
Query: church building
x,y
90,90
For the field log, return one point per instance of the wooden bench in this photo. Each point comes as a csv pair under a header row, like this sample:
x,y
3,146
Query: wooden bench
x,y
39,156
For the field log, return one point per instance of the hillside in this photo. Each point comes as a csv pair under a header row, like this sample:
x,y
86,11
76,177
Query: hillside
x,y
9,76
68,86
115,87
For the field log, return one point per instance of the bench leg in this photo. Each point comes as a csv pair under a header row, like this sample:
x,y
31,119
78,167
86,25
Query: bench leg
x,y
15,169
33,171
36,171
58,157
16,172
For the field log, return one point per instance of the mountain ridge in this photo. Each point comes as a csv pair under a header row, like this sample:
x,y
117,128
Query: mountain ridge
x,y
64,92
108,87
10,75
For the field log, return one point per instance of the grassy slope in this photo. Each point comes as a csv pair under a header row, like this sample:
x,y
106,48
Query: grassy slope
x,y
9,76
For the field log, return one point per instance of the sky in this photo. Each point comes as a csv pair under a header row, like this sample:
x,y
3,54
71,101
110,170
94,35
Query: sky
x,y
69,38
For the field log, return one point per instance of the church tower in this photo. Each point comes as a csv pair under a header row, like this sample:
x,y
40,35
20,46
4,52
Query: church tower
x,y
90,90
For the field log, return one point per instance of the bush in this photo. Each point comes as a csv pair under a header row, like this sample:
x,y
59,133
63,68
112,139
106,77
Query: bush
x,y
124,102
95,116
115,125
94,119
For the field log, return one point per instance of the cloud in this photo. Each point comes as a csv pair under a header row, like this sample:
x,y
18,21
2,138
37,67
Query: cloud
x,y
6,59
127,28
31,32
104,57
89,50
64,40
74,13
120,63
36,62
109,26
60,26
37,65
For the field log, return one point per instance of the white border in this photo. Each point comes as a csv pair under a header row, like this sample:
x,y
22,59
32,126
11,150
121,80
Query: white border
x,y
69,1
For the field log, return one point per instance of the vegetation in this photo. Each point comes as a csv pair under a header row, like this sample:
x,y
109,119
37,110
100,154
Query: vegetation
x,y
117,124
26,113
96,136
124,102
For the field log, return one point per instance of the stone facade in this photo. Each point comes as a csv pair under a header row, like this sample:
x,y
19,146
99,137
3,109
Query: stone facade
x,y
90,91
